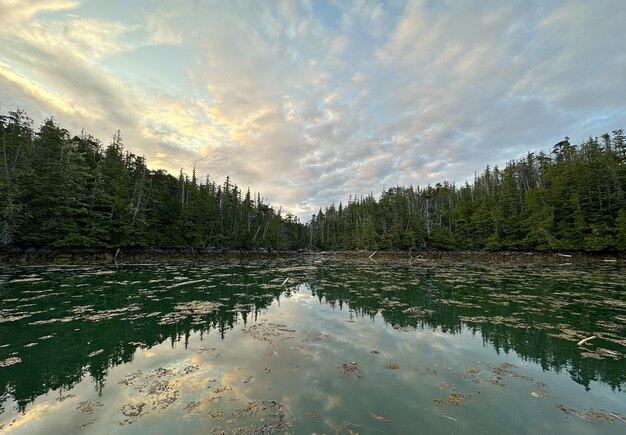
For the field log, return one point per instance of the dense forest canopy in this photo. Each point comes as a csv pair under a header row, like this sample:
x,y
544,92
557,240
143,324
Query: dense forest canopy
x,y
570,199
59,190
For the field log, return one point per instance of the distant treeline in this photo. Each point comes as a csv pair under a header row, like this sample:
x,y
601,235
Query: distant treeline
x,y
58,190
62,191
571,199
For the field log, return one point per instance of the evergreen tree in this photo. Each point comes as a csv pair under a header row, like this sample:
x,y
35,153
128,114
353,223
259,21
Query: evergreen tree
x,y
62,191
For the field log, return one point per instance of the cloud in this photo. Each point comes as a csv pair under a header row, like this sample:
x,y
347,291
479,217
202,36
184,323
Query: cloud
x,y
14,13
38,92
88,39
309,102
51,67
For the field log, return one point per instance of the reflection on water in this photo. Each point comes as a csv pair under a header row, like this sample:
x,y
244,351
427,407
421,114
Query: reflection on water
x,y
310,345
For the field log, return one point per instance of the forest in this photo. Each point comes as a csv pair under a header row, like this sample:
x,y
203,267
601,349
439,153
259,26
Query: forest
x,y
570,199
64,191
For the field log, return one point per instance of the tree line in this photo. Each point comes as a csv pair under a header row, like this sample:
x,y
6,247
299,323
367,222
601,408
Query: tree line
x,y
59,190
569,199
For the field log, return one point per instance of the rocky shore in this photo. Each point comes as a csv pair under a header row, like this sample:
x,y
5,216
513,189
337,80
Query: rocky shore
x,y
43,256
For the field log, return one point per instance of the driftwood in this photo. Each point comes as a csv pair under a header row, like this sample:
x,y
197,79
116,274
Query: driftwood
x,y
584,340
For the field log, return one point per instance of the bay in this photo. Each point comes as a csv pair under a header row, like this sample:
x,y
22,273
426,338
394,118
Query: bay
x,y
313,345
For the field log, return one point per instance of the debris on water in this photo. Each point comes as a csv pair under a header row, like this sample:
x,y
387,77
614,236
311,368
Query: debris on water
x,y
191,368
393,366
568,411
504,368
197,310
246,379
602,353
447,386
82,426
606,416
155,386
271,414
63,398
609,417
300,348
160,385
266,331
89,406
220,390
164,401
380,418
314,337
345,429
214,414
190,406
131,378
417,311
351,369
472,373
133,410
210,350
161,372
271,350
495,380
529,306
244,430
311,413
456,398
10,361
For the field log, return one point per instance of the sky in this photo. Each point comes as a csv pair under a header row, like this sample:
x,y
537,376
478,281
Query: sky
x,y
309,102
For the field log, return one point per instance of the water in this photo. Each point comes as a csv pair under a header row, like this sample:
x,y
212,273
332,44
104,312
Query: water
x,y
340,347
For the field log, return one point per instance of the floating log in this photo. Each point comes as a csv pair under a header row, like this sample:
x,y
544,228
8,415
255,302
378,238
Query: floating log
x,y
584,340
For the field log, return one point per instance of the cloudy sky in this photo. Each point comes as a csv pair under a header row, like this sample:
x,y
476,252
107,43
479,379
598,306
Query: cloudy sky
x,y
310,101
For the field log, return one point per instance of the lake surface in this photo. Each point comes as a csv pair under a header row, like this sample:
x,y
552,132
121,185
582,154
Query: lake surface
x,y
314,345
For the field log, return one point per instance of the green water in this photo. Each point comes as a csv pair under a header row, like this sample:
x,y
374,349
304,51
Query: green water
x,y
340,347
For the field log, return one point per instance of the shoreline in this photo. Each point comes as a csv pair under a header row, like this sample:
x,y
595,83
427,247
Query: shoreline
x,y
122,256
